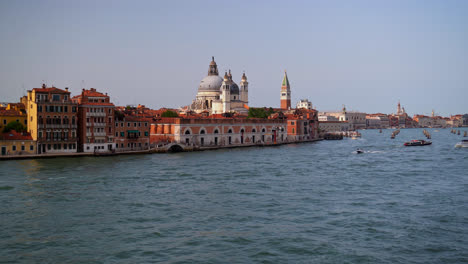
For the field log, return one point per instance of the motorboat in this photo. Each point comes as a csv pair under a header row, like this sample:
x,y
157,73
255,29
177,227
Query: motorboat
x,y
359,151
462,144
418,142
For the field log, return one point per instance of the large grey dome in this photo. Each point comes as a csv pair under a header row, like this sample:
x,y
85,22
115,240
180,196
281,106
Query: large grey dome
x,y
211,83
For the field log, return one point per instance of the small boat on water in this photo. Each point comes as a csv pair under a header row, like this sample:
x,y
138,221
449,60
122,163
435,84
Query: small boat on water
x,y
418,142
359,151
462,144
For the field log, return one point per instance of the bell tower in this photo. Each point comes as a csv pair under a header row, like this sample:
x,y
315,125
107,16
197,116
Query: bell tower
x,y
226,93
244,89
285,93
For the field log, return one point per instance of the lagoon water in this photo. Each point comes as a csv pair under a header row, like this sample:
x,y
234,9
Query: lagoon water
x,y
305,203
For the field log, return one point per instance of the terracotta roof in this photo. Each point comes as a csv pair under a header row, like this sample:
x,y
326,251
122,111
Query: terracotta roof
x,y
91,93
97,103
13,135
10,113
49,90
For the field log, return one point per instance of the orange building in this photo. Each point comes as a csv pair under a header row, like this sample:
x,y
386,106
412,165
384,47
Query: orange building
x,y
52,119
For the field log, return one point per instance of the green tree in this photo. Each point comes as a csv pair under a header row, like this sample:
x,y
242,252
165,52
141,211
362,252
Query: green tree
x,y
260,112
169,113
14,125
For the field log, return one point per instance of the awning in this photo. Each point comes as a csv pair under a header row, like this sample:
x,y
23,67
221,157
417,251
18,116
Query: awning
x,y
133,131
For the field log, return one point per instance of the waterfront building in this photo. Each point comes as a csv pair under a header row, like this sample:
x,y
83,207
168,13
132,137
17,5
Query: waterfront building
x,y
131,132
15,143
333,126
52,119
464,120
377,121
219,131
303,125
13,112
304,103
95,121
285,93
356,120
218,95
323,117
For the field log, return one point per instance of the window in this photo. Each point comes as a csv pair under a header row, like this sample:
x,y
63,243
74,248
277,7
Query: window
x,y
122,124
13,148
4,121
146,124
31,147
55,97
74,109
65,108
122,134
128,124
146,134
116,134
202,131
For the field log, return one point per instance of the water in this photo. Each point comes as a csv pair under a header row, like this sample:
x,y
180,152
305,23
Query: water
x,y
306,203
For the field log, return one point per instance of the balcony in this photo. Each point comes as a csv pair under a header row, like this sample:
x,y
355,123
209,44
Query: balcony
x,y
48,126
95,114
96,124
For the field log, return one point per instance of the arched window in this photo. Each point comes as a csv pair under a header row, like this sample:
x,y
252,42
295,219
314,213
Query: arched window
x,y
216,131
242,131
202,131
263,130
230,131
187,132
253,130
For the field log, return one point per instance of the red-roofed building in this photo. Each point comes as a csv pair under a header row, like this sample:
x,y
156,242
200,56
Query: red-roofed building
x,y
52,119
14,143
132,133
95,121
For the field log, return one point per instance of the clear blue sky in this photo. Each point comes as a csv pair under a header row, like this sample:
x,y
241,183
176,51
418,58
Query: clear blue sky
x,y
365,54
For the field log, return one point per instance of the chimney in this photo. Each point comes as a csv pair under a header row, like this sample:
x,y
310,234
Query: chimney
x,y
43,86
66,89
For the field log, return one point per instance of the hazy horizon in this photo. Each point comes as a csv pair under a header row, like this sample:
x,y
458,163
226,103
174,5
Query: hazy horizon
x,y
367,55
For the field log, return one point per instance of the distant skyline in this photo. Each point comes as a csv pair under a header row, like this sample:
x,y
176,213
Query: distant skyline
x,y
367,55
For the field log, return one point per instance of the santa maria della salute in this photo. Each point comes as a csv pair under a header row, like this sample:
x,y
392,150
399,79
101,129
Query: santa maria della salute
x,y
218,95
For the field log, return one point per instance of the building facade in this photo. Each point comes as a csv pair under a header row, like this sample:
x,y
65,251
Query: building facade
x,y
52,119
132,133
304,104
14,143
13,113
95,121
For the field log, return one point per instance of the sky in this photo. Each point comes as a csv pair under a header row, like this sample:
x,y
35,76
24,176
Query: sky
x,y
367,55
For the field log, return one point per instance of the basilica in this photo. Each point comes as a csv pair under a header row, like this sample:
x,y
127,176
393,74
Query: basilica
x,y
221,95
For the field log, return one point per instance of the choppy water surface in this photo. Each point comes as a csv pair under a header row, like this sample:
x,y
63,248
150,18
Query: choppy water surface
x,y
306,203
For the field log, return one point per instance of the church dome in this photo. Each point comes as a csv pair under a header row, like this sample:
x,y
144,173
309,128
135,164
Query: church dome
x,y
211,83
234,88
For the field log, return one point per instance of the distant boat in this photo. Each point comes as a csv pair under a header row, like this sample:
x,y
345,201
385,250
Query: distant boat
x,y
359,151
462,144
418,142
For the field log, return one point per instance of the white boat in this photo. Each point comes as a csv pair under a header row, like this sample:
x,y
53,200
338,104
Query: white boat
x,y
462,144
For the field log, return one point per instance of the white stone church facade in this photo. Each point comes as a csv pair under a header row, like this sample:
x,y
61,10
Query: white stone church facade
x,y
221,95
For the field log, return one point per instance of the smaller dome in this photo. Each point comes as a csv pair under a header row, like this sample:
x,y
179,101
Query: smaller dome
x,y
234,88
